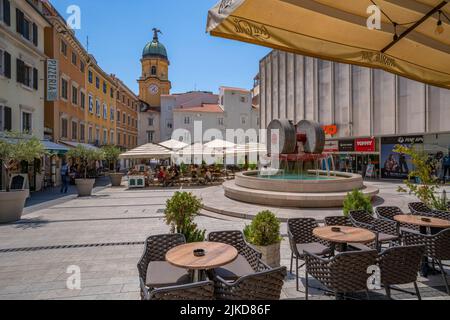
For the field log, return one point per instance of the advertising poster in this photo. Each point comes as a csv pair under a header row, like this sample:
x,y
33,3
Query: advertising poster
x,y
395,165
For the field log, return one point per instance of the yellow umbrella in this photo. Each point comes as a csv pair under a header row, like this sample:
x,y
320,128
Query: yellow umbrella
x,y
413,39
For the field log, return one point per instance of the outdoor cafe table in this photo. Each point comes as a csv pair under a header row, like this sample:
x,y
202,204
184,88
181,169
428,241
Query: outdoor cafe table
x,y
345,235
216,255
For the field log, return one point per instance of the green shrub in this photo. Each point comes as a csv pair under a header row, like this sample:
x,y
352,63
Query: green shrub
x,y
180,213
356,200
253,166
264,230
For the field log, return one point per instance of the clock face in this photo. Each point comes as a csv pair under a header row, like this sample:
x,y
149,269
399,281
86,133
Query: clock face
x,y
153,89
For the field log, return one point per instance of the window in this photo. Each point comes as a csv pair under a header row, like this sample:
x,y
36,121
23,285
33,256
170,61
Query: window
x,y
150,136
124,139
90,76
105,112
129,121
220,121
150,122
74,130
91,104
90,137
5,119
118,116
187,120
118,95
26,28
105,136
118,138
153,72
82,100
111,114
82,132
97,136
64,89
5,64
124,118
82,66
27,75
97,82
64,128
74,95
5,12
97,108
105,87
111,92
169,125
74,58
63,48
111,139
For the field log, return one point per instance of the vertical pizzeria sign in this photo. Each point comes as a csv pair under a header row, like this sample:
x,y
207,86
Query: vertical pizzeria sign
x,y
52,79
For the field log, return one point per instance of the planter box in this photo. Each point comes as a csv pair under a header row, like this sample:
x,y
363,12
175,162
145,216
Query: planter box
x,y
270,254
12,204
84,187
116,179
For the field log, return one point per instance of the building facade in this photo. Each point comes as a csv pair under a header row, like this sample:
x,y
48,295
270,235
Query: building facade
x,y
149,126
359,107
22,67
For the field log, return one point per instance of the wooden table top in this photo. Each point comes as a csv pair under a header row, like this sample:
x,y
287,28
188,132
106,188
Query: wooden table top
x,y
217,255
418,221
345,235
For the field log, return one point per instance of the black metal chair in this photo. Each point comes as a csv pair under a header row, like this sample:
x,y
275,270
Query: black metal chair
x,y
265,285
301,238
386,231
421,209
193,292
154,270
248,261
389,213
343,274
400,265
437,248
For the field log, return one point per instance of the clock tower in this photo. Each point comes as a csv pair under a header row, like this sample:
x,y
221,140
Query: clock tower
x,y
154,80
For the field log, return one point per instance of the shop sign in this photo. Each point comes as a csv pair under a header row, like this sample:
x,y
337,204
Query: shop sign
x,y
331,146
403,140
365,145
331,130
346,146
52,79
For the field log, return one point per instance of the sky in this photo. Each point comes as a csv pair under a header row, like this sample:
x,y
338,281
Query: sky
x,y
119,30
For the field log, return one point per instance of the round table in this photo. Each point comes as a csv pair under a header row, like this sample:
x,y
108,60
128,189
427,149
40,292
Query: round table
x,y
345,236
216,255
425,222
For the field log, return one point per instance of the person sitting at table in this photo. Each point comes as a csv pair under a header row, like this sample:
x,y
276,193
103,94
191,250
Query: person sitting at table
x,y
161,174
208,176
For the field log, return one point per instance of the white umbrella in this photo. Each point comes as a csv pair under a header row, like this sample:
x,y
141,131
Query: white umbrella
x,y
219,144
173,144
147,151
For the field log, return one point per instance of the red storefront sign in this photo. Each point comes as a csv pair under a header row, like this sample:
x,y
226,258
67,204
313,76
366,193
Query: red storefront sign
x,y
365,145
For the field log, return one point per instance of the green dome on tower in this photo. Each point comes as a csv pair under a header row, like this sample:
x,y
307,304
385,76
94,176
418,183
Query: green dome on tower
x,y
155,48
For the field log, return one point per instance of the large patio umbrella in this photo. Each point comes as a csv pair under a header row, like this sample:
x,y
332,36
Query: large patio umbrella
x,y
147,151
198,152
219,144
413,40
173,144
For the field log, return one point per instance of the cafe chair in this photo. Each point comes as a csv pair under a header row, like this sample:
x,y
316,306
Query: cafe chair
x,y
301,238
386,231
389,213
343,274
343,221
437,248
264,285
248,260
154,270
400,265
199,291
419,209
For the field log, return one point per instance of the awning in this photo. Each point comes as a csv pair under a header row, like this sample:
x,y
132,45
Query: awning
x,y
173,144
76,144
407,44
147,151
55,147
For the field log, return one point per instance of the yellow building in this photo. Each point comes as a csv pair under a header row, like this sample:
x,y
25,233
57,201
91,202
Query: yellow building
x,y
154,80
101,110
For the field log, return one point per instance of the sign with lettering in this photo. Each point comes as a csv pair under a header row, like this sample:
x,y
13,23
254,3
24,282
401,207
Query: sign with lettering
x,y
346,145
365,145
330,130
331,146
52,80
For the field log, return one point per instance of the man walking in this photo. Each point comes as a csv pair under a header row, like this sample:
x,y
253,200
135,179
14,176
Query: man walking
x,y
64,177
446,166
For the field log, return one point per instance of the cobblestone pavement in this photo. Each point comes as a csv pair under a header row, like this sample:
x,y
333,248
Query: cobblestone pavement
x,y
104,234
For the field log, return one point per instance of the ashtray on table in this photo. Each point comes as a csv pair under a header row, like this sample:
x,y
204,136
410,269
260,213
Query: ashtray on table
x,y
199,252
336,229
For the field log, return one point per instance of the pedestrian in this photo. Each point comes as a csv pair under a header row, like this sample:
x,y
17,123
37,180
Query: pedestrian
x,y
446,167
65,172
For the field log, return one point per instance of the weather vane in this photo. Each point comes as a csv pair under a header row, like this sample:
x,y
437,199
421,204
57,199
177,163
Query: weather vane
x,y
155,33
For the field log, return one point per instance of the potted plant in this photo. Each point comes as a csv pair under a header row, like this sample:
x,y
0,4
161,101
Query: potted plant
x,y
86,157
264,234
15,148
356,200
180,213
112,154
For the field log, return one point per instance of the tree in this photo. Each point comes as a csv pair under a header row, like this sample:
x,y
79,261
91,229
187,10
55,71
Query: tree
x,y
112,154
86,156
15,148
428,188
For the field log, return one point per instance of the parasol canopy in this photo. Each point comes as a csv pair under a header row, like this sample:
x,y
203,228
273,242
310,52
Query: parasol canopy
x,y
148,151
412,39
173,144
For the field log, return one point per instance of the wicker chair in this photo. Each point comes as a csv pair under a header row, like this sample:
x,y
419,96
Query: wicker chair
x,y
248,261
419,208
400,265
342,221
193,292
265,285
343,274
389,213
154,271
437,247
301,238
386,231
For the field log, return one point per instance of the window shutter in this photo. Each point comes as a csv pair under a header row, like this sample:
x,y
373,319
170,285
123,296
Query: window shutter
x,y
8,119
19,21
7,65
35,79
35,35
7,12
20,77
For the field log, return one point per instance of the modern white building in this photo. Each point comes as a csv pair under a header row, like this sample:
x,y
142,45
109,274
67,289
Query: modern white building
x,y
22,62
